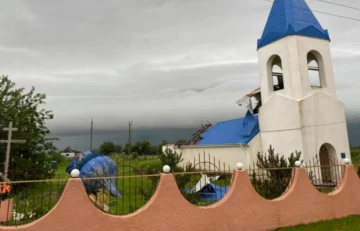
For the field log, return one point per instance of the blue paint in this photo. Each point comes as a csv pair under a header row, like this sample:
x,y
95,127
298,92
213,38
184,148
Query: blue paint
x,y
237,131
291,17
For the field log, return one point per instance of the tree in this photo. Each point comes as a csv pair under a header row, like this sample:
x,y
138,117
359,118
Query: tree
x,y
142,147
27,112
162,143
171,158
118,148
107,147
181,141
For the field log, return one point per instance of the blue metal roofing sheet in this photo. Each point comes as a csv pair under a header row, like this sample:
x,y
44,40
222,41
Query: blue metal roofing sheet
x,y
237,131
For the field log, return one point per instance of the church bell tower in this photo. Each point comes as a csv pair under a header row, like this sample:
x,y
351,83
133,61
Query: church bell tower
x,y
300,110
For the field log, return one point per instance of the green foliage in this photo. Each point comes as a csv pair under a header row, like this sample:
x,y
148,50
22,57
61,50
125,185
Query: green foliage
x,y
134,155
350,223
171,158
103,196
107,147
181,141
118,148
270,181
162,143
57,157
142,147
26,111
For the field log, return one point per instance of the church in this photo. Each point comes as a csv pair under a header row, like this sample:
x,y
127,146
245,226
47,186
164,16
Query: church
x,y
294,109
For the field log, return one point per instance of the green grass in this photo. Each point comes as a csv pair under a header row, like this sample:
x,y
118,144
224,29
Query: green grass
x,y
351,223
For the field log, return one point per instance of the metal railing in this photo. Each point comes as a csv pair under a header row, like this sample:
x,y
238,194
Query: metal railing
x,y
204,181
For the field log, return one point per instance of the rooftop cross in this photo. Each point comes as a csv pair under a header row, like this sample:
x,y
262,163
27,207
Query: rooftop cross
x,y
9,141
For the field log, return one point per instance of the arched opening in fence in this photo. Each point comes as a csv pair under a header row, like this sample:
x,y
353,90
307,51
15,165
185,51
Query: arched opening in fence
x,y
205,181
129,189
270,183
27,201
32,190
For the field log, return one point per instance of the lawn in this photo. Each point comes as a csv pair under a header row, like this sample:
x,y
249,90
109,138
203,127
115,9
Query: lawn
x,y
351,223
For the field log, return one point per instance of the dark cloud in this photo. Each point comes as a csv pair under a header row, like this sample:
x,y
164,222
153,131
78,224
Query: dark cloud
x,y
157,62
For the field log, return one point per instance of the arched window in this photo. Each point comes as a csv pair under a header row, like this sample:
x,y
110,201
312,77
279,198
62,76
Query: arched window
x,y
314,71
277,78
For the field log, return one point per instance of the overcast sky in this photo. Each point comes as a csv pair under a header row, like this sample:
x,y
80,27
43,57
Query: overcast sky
x,y
156,62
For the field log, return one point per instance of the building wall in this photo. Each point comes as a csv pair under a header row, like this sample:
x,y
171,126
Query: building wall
x,y
240,209
293,52
324,121
280,125
229,155
301,117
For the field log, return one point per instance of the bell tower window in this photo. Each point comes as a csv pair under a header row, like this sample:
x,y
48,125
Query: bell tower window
x,y
314,70
277,78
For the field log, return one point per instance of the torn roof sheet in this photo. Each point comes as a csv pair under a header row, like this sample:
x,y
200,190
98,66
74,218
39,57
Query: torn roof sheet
x,y
237,131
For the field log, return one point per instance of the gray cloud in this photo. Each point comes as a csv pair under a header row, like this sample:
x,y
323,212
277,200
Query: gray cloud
x,y
156,62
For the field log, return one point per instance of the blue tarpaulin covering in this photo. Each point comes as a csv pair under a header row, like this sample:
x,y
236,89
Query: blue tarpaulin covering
x,y
291,17
212,192
237,131
95,165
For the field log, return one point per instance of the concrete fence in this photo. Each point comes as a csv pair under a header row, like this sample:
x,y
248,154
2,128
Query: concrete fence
x,y
241,208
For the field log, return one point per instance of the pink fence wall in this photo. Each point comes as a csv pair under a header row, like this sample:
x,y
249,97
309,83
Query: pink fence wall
x,y
241,209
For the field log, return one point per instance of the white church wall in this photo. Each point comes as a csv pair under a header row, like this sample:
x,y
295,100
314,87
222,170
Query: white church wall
x,y
254,148
324,122
285,48
283,142
279,113
228,154
304,46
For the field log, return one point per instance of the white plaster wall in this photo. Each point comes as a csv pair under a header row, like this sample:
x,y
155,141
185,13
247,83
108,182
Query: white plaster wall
x,y
230,155
324,122
284,142
300,117
293,52
305,45
254,148
279,113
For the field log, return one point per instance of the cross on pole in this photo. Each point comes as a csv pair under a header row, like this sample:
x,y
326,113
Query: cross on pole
x,y
9,141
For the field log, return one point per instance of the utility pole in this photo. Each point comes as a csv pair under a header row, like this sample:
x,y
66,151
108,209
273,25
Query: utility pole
x,y
91,134
130,123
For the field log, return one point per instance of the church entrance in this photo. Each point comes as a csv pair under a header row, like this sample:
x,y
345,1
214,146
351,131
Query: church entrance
x,y
326,154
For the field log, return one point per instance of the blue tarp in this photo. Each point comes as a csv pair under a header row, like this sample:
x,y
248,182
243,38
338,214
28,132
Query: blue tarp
x,y
291,17
212,192
237,131
95,165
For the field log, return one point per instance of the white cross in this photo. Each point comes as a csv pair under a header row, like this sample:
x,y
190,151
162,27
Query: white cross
x,y
10,129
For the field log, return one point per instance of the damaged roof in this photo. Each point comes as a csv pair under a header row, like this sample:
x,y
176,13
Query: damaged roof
x,y
237,131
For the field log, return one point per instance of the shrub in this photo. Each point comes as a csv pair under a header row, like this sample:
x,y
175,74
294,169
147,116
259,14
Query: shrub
x,y
272,183
57,157
171,158
134,155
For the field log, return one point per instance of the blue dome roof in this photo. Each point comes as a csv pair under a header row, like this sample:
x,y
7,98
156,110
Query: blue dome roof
x,y
291,17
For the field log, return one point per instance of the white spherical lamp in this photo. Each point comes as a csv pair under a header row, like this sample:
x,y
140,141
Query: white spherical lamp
x,y
239,166
75,173
347,161
297,164
166,169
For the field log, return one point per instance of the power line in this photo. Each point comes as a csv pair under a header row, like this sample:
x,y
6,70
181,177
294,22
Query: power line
x,y
337,4
313,126
321,12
